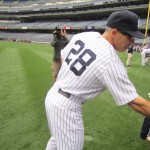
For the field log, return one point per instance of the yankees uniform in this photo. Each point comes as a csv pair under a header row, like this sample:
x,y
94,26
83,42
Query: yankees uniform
x,y
90,65
145,55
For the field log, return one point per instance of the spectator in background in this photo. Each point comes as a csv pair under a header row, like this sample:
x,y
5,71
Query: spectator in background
x,y
130,53
137,48
145,56
144,46
59,42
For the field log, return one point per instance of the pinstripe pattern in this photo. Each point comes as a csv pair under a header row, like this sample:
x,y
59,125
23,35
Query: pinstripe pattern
x,y
65,122
90,65
107,71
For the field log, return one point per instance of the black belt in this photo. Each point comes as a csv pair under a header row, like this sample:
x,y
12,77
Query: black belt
x,y
67,95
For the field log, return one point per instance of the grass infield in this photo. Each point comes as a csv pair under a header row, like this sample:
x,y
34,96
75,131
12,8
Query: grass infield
x,y
25,78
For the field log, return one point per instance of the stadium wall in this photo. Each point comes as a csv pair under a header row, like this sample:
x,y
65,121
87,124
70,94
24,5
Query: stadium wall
x,y
20,18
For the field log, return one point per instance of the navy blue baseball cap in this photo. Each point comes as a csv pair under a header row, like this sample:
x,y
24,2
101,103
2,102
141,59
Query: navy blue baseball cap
x,y
125,21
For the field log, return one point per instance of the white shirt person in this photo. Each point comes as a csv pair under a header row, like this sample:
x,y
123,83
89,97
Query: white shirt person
x,y
90,66
145,56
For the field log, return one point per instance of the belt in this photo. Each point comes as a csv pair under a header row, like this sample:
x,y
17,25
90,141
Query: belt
x,y
67,95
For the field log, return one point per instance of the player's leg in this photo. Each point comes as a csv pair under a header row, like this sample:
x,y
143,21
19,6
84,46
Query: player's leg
x,y
143,59
55,69
69,131
51,145
129,59
127,63
146,60
65,121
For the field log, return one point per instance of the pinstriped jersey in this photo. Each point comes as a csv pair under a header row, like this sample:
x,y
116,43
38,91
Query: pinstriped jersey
x,y
146,51
91,65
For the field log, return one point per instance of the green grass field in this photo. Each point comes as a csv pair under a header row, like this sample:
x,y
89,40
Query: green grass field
x,y
25,78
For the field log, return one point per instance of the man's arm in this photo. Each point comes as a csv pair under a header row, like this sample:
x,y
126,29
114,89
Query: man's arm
x,y
64,35
141,105
53,41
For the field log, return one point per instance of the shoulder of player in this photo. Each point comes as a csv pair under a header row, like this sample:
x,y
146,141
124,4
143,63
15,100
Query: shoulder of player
x,y
146,50
87,34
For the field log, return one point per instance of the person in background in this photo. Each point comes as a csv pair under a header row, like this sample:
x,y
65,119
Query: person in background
x,y
59,41
130,54
145,56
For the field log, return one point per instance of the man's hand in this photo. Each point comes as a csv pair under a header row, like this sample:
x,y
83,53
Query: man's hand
x,y
63,33
148,138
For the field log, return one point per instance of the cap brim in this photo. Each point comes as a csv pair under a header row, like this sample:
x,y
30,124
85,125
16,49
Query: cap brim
x,y
136,34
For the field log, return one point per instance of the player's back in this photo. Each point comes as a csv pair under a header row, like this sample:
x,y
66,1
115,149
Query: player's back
x,y
85,61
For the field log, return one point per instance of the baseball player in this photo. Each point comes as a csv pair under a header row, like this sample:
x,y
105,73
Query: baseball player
x,y
145,56
130,54
90,66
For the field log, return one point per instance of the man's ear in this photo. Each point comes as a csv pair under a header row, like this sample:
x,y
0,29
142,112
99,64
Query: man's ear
x,y
114,32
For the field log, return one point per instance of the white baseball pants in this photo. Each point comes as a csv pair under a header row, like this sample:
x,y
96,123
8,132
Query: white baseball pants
x,y
65,122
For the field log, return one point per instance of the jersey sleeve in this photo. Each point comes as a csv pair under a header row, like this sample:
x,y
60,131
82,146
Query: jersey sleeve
x,y
117,82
